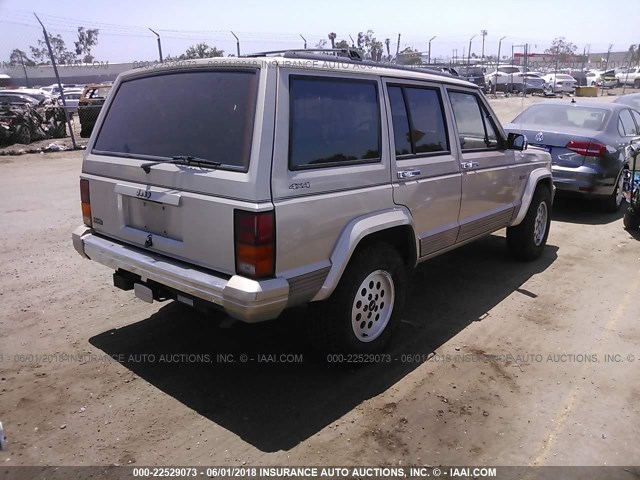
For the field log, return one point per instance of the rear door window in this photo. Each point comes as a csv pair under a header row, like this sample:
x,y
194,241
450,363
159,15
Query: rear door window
x,y
418,120
206,114
333,122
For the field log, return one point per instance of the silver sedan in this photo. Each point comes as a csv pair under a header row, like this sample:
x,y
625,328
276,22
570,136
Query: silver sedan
x,y
588,142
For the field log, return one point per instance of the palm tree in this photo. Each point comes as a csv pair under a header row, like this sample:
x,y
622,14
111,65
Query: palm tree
x,y
332,37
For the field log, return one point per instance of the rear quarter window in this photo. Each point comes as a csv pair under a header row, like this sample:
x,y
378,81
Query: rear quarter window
x,y
333,122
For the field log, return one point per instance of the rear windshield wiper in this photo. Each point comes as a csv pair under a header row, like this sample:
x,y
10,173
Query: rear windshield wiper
x,y
183,160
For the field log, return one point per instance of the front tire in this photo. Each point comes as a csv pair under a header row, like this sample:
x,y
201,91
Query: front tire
x,y
527,240
364,310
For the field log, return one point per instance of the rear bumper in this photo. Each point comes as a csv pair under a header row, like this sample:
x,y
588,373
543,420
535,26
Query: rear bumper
x,y
583,180
242,298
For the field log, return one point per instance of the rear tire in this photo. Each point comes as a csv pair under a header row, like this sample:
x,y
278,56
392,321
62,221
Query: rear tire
x,y
364,309
631,219
527,240
613,202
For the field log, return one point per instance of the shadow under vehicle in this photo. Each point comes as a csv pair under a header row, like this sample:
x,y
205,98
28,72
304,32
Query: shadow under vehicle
x,y
275,405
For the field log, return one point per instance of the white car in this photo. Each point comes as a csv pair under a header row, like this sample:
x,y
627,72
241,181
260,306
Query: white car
x,y
504,76
560,82
629,76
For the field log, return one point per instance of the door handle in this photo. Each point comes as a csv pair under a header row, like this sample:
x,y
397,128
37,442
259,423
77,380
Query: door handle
x,y
468,165
409,173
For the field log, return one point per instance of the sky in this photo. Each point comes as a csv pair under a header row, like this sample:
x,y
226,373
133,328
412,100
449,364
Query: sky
x,y
278,24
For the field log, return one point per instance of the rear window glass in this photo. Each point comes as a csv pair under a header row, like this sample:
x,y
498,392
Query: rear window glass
x,y
205,114
333,122
564,116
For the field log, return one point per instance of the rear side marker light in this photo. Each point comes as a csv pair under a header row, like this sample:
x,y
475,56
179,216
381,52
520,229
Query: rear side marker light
x,y
85,200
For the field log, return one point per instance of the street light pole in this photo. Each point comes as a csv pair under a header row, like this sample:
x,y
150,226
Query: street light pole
x,y
237,43
498,63
429,54
159,44
305,41
484,34
584,59
469,54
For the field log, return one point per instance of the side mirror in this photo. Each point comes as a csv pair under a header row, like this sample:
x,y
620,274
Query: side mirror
x,y
517,141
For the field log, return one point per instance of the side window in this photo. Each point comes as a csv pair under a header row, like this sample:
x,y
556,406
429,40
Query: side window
x,y
628,125
428,131
418,121
400,121
475,129
636,117
332,122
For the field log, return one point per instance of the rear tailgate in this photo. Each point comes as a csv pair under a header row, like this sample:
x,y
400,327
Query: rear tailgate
x,y
215,114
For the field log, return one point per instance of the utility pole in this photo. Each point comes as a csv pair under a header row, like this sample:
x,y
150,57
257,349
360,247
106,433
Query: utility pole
x,y
484,34
398,49
159,44
469,57
429,54
26,78
305,41
55,70
353,44
237,43
387,42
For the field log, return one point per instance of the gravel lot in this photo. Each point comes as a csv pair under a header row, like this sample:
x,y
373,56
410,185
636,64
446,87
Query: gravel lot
x,y
535,364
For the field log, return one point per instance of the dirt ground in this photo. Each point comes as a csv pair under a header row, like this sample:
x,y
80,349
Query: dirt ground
x,y
496,362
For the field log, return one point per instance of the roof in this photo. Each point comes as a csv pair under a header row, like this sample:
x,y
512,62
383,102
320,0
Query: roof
x,y
309,62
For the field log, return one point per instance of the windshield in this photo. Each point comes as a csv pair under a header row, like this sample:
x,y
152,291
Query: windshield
x,y
550,116
203,114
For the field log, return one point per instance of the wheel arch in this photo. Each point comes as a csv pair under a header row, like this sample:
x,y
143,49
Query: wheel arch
x,y
538,177
394,227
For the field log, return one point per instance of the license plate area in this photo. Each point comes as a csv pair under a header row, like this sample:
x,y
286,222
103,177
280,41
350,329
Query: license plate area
x,y
546,148
151,217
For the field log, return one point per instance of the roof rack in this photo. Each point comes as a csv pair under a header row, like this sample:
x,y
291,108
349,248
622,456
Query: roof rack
x,y
350,55
338,52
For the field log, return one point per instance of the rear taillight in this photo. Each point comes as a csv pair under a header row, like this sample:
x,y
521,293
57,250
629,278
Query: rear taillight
x,y
254,243
588,149
85,200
